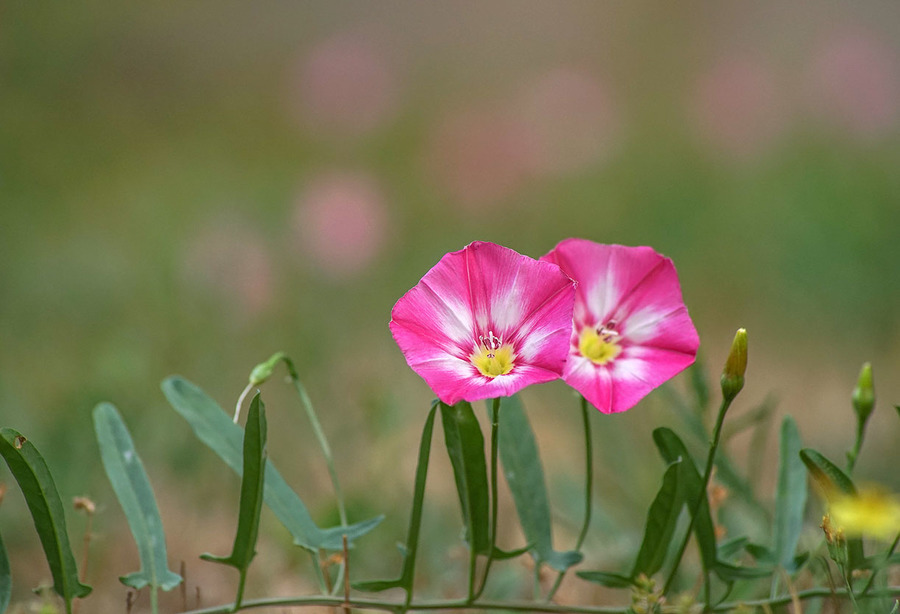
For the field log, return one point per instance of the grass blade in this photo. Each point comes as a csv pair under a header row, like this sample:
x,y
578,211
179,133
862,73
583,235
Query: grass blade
x,y
254,465
405,581
132,487
662,517
214,428
525,477
790,496
465,446
37,485
5,578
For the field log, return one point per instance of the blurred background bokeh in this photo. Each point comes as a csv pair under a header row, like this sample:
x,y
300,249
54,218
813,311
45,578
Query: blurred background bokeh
x,y
189,187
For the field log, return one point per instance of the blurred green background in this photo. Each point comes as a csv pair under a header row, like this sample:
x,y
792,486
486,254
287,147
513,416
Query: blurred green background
x,y
190,187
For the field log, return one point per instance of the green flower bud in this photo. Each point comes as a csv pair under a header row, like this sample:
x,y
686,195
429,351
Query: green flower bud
x,y
263,371
864,394
735,366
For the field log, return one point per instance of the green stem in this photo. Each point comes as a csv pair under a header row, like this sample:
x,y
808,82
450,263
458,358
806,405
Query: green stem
x,y
515,606
239,598
875,571
495,447
154,600
846,576
588,490
701,497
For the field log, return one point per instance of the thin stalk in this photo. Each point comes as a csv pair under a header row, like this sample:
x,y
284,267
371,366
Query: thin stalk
x,y
516,606
846,576
239,598
588,490
495,447
871,579
701,496
154,600
240,401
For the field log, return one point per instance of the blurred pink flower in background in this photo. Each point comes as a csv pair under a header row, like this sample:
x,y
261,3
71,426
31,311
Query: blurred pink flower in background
x,y
229,261
739,107
340,223
630,331
346,85
569,117
485,322
480,157
855,83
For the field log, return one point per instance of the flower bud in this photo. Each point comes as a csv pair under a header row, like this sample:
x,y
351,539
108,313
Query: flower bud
x,y
735,366
864,394
263,371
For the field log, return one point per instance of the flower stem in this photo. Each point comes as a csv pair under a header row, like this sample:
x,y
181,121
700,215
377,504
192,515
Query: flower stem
x,y
517,606
495,447
588,489
887,555
701,497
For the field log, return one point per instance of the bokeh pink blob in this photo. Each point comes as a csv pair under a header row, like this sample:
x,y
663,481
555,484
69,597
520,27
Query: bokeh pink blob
x,y
345,85
568,114
480,157
855,83
739,108
341,223
230,263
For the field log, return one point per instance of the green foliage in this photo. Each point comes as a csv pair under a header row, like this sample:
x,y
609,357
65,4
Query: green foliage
x,y
212,426
790,496
132,487
405,581
250,506
5,578
465,446
662,517
525,477
37,485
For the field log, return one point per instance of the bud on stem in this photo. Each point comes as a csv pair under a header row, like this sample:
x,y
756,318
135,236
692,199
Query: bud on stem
x,y
735,366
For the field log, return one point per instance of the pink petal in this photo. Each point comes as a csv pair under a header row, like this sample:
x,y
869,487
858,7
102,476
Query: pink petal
x,y
481,290
638,290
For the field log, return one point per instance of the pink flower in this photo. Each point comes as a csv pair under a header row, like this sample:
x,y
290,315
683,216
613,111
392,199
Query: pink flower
x,y
485,322
631,331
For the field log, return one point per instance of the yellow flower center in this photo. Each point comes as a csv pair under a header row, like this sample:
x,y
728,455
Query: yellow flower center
x,y
599,345
493,357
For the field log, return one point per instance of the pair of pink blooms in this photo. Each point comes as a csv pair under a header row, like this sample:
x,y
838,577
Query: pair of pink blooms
x,y
486,322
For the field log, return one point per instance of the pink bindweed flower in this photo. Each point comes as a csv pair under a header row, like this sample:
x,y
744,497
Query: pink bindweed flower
x,y
485,322
631,331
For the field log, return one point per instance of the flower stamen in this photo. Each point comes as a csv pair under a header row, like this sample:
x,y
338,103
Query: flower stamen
x,y
492,357
600,345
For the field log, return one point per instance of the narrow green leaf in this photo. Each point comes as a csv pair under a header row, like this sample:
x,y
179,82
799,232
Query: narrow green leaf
x,y
733,547
672,450
525,477
214,428
604,578
31,472
5,578
251,500
503,555
790,496
409,550
132,487
830,478
731,573
662,517
465,446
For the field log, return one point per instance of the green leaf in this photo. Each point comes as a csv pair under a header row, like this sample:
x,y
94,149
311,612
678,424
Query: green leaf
x,y
5,578
504,555
733,547
830,478
31,472
604,578
790,496
672,450
465,445
662,517
409,550
132,487
525,477
214,428
731,573
244,548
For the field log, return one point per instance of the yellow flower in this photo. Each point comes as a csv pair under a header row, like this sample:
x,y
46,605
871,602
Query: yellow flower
x,y
872,511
